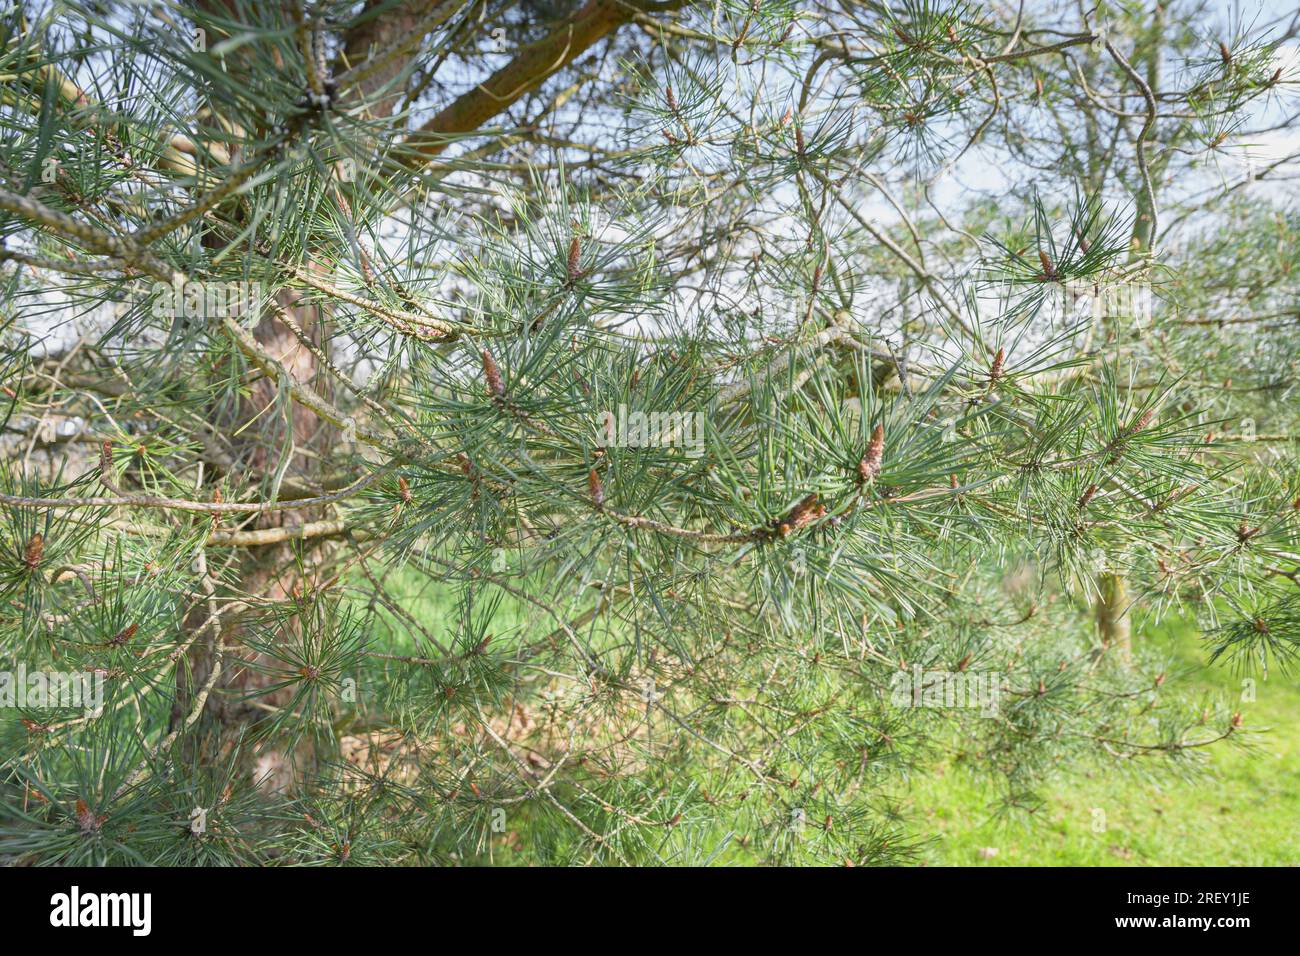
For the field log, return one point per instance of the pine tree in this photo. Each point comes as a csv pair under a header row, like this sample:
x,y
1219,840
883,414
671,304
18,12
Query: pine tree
x,y
627,432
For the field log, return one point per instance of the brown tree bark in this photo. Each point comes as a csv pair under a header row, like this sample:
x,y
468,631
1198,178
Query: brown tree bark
x,y
1113,622
1112,602
269,572
531,66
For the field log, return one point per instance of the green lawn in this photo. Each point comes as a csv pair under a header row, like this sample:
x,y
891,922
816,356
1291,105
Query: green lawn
x,y
1244,810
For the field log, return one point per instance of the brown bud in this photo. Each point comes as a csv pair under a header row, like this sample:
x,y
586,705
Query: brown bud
x,y
34,550
1086,496
798,140
1236,719
996,369
1049,271
1224,53
869,466
106,458
1245,532
575,256
672,100
404,489
1277,75
1160,678
123,635
952,481
492,375
1142,422
804,513
1038,87
595,488
87,822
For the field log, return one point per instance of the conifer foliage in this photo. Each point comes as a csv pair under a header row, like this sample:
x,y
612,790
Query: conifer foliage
x,y
630,431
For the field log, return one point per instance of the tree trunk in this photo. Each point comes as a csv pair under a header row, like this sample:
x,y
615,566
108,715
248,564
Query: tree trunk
x,y
1112,603
267,573
1113,622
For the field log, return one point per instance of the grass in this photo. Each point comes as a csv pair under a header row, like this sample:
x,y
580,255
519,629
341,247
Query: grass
x,y
1242,811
